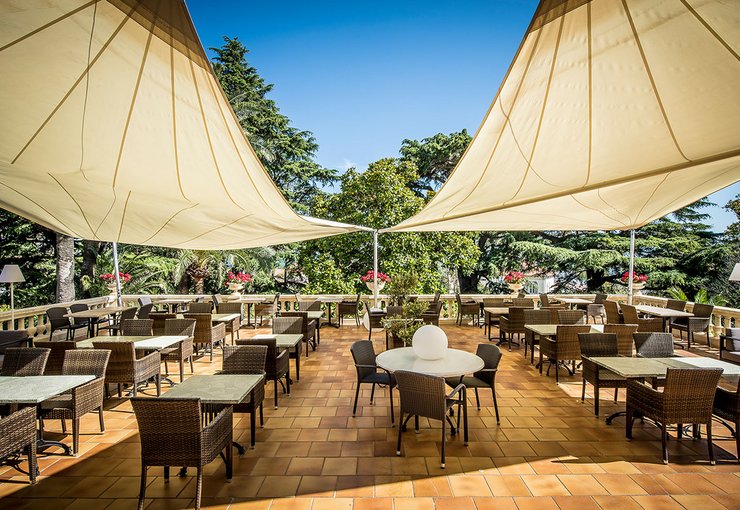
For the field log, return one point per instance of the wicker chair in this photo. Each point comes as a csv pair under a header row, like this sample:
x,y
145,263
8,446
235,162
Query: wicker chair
x,y
160,319
217,300
599,344
544,300
13,338
597,308
172,433
646,325
184,350
207,335
267,308
699,323
571,317
512,324
124,367
625,339
522,302
58,349
83,399
145,300
77,322
295,326
465,308
676,304
311,305
532,316
654,345
563,348
137,327
424,395
368,372
115,327
309,328
18,434
687,398
235,325
484,378
613,315
727,407
248,359
144,311
349,308
24,361
56,321
200,308
431,316
729,345
277,365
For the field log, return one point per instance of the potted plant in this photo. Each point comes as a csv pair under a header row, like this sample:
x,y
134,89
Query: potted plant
x,y
402,286
110,280
235,282
515,281
369,280
401,328
638,280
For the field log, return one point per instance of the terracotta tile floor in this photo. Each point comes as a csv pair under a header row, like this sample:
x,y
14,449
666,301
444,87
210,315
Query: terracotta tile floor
x,y
548,452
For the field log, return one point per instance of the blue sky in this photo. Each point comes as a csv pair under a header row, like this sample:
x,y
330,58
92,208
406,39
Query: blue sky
x,y
362,76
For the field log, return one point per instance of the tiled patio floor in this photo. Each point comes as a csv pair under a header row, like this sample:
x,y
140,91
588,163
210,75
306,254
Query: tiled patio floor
x,y
548,452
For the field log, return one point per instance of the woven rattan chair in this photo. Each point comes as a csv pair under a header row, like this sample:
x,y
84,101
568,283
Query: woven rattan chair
x,y
115,327
431,316
83,399
159,319
687,398
18,434
144,311
544,300
308,328
729,345
512,324
571,317
625,339
125,368
599,344
235,325
532,316
207,335
654,345
596,309
699,323
137,327
268,308
24,361
563,348
676,304
613,315
523,302
294,326
57,349
310,305
249,360
424,395
200,308
77,322
485,378
644,325
13,338
368,372
56,321
184,350
277,365
467,308
145,300
727,407
172,433
216,299
349,308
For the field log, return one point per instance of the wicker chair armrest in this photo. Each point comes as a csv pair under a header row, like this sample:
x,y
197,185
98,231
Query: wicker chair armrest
x,y
702,322
88,396
218,331
643,391
148,362
219,427
369,366
460,388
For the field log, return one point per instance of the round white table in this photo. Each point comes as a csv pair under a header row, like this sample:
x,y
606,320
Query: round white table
x,y
456,363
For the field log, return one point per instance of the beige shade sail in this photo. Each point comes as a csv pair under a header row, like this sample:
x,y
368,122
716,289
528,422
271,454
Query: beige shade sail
x,y
113,127
612,114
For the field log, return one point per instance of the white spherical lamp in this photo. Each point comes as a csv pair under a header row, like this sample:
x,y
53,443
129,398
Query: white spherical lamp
x,y
429,342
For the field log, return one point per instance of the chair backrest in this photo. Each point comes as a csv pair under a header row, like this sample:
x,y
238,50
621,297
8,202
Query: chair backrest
x,y
363,353
630,314
200,299
231,308
689,393
78,307
122,357
244,359
22,361
625,341
566,340
216,299
179,327
128,314
571,317
159,319
13,338
600,298
598,344
203,324
200,307
305,322
702,310
56,316
309,306
86,362
436,296
653,345
57,350
493,302
516,315
421,394
145,300
612,312
394,310
544,300
524,302
137,327
144,311
458,299
676,304
288,325
532,316
168,428
491,356
270,354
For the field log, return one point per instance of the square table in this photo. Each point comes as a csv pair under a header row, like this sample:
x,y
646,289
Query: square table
x,y
286,341
141,343
328,301
249,301
664,313
96,313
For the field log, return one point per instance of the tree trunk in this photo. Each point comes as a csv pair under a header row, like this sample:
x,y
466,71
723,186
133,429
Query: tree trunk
x,y
90,252
199,285
65,247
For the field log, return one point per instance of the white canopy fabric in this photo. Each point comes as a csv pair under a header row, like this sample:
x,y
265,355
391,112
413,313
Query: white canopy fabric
x,y
612,114
113,127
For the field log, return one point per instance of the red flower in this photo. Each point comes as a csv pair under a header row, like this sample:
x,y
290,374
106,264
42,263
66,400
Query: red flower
x,y
239,277
110,277
370,276
514,277
636,278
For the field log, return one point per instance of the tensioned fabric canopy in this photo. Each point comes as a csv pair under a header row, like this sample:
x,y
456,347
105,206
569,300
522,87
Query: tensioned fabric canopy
x,y
612,114
113,127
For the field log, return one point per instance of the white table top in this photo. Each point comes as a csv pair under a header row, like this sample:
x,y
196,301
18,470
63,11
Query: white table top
x,y
330,299
224,317
37,388
657,311
575,301
248,299
215,389
96,313
552,329
456,363
141,343
282,340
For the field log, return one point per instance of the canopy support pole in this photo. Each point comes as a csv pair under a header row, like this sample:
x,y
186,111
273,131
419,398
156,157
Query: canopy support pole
x,y
632,267
375,267
116,273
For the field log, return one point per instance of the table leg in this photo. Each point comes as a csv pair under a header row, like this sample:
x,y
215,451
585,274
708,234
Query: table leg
x,y
298,360
250,324
336,309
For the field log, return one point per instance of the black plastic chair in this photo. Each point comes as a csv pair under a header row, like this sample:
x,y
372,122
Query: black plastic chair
x,y
368,372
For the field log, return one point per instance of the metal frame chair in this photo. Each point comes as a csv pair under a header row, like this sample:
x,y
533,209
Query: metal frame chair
x,y
363,354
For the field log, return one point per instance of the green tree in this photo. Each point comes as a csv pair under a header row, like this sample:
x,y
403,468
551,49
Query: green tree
x,y
434,157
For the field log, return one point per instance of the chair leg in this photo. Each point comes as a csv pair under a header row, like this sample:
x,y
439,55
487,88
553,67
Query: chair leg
x,y
101,419
616,394
664,442
166,474
597,395
120,390
400,430
477,399
710,445
142,487
166,368
252,426
64,425
495,404
357,395
275,385
629,421
583,391
75,435
198,487
444,437
32,462
192,370
229,460
182,369
372,394
390,397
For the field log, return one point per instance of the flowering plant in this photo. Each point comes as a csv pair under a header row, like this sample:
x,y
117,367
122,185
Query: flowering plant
x,y
370,276
514,277
636,278
239,277
110,277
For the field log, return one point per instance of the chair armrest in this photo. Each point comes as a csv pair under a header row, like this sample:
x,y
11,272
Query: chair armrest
x,y
487,370
700,321
220,425
90,393
218,331
460,388
369,366
149,361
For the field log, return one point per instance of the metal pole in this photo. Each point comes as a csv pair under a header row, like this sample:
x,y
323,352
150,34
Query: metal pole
x,y
632,266
116,272
375,267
